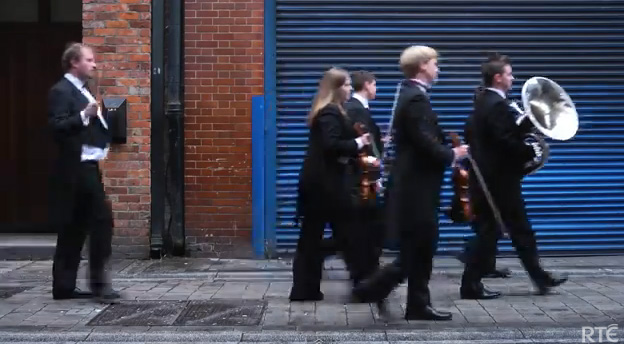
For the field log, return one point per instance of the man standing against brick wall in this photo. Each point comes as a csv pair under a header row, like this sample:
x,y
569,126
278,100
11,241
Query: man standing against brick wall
x,y
79,204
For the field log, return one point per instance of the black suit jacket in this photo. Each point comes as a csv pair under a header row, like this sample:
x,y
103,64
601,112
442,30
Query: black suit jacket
x,y
359,114
497,146
422,155
328,176
65,102
496,141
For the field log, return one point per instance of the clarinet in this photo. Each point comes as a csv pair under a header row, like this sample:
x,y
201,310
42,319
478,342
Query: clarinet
x,y
388,136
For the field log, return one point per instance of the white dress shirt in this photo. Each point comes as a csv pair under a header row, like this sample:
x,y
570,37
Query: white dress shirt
x,y
500,93
89,153
361,99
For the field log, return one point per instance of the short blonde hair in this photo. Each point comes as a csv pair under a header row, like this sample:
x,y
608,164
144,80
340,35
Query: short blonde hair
x,y
413,57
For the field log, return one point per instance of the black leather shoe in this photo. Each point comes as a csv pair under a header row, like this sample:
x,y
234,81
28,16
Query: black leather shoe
x,y
75,294
483,294
382,308
502,273
543,289
110,296
303,298
428,313
379,285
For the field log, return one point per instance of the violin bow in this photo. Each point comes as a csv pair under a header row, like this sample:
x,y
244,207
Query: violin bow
x,y
486,191
96,87
374,147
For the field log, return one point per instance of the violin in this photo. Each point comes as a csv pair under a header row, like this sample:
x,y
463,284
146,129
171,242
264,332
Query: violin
x,y
461,210
368,187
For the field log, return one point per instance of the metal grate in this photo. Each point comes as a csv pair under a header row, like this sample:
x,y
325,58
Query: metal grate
x,y
222,313
140,313
182,313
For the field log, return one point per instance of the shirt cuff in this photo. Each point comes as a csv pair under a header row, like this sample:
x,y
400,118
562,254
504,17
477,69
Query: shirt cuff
x,y
85,119
359,142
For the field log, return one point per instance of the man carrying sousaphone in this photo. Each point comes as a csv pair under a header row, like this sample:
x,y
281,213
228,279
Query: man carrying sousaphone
x,y
457,214
500,153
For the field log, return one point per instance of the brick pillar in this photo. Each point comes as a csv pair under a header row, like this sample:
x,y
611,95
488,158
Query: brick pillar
x,y
119,32
224,68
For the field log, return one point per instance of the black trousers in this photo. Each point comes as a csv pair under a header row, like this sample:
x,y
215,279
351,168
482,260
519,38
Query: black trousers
x,y
367,241
309,257
92,216
489,265
514,216
414,263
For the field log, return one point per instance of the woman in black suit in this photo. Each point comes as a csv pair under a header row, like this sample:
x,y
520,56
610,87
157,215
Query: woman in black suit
x,y
327,185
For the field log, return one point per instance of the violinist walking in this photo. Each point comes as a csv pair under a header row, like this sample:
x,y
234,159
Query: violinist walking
x,y
369,227
422,156
328,186
498,148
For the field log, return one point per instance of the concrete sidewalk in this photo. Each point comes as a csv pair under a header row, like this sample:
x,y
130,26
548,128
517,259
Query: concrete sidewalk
x,y
248,300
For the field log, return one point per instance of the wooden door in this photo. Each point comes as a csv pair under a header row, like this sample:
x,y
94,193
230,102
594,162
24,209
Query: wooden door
x,y
30,64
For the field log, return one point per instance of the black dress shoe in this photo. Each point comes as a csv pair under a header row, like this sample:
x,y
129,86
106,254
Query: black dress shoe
x,y
379,285
428,313
110,296
502,273
382,308
74,294
303,298
483,294
544,288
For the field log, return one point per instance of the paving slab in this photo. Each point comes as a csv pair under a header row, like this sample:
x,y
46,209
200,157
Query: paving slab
x,y
177,302
471,335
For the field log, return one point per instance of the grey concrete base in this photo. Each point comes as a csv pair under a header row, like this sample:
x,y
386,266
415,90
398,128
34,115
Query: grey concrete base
x,y
594,296
466,335
27,246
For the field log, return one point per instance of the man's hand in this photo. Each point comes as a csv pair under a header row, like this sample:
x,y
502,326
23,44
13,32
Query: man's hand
x,y
366,139
371,160
460,152
91,110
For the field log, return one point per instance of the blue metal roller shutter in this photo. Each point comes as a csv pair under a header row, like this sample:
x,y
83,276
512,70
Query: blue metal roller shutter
x,y
576,202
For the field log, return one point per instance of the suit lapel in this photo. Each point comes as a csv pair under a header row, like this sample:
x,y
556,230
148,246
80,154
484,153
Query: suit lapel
x,y
79,98
363,110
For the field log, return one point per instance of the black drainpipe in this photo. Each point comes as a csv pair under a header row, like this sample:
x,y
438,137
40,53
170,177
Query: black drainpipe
x,y
175,119
157,138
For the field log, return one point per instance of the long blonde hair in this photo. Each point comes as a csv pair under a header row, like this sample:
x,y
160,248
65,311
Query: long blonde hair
x,y
329,91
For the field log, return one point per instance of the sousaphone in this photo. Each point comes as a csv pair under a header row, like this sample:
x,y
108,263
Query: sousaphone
x,y
552,113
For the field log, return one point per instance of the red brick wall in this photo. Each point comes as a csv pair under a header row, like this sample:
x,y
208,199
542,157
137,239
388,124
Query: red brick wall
x,y
119,32
223,69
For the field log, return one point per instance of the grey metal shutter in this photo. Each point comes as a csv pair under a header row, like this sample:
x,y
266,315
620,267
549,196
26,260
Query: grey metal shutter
x,y
576,202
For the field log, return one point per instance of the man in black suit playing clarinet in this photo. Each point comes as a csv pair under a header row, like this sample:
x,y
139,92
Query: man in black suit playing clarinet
x,y
422,156
79,206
